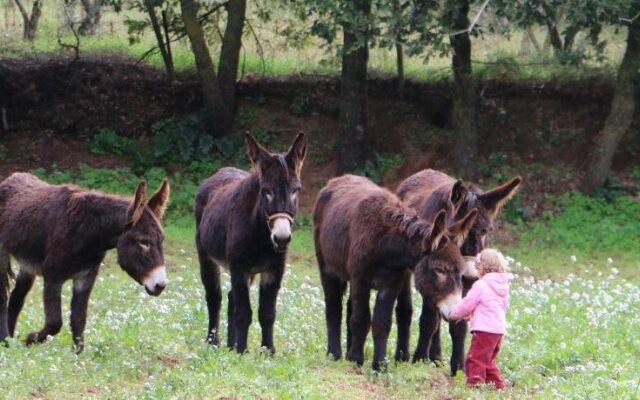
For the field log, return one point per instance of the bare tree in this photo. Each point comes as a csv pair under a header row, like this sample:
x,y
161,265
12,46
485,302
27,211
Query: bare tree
x,y
30,20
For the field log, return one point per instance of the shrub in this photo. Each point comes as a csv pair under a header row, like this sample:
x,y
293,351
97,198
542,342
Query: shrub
x,y
588,224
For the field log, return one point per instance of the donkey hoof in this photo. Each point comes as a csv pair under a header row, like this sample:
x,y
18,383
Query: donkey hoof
x,y
4,342
402,356
438,363
78,346
33,338
356,358
213,340
268,350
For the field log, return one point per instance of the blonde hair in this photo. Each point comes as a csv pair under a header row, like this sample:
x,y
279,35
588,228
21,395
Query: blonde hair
x,y
491,260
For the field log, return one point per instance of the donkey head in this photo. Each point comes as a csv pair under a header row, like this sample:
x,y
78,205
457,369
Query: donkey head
x,y
140,246
279,178
438,275
488,205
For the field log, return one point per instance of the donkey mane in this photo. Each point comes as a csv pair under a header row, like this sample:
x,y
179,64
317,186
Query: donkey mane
x,y
405,220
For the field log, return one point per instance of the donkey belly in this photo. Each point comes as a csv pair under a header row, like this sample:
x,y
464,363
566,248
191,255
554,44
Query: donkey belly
x,y
33,268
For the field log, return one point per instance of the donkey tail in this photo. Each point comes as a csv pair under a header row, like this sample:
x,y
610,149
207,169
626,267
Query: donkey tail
x,y
6,275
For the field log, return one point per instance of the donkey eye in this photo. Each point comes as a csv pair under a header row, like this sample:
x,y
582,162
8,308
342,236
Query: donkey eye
x,y
268,194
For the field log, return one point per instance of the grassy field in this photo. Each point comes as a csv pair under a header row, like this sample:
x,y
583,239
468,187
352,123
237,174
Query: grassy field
x,y
569,337
495,56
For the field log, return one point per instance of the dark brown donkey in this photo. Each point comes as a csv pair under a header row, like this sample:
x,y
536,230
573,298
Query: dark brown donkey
x,y
368,238
427,192
62,232
244,222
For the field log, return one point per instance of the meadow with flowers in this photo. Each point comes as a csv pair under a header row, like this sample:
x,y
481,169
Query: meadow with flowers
x,y
571,335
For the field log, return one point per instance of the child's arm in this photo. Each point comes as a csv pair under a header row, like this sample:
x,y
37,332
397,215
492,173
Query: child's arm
x,y
465,308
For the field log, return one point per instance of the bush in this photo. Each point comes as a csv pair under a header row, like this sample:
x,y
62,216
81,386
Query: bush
x,y
589,224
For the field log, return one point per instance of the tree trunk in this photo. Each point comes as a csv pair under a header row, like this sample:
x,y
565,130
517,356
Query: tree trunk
x,y
230,51
353,96
620,115
30,21
400,64
155,24
399,49
570,37
554,36
464,98
92,15
218,113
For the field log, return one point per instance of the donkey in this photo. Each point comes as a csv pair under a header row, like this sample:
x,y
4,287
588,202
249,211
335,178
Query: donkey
x,y
244,222
427,192
62,232
368,238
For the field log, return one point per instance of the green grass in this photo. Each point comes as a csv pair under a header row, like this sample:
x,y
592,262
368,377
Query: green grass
x,y
568,338
496,57
571,321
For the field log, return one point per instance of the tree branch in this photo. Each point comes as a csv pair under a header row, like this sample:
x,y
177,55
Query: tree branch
x,y
201,19
258,47
475,20
629,20
23,10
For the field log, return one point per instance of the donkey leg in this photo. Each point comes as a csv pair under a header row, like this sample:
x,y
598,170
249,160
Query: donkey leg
x,y
242,308
333,289
360,319
349,309
404,311
52,312
231,322
269,286
24,283
210,276
458,331
429,327
435,351
82,287
5,282
381,326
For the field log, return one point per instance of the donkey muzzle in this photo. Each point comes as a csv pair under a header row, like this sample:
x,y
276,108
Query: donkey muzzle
x,y
280,225
447,304
156,281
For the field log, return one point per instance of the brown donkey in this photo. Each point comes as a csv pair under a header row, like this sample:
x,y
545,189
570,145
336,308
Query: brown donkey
x,y
427,192
244,222
368,238
62,232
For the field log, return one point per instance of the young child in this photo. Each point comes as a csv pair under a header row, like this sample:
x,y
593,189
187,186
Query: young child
x,y
486,305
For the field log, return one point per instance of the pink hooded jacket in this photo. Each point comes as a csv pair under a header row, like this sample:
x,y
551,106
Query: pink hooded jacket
x,y
486,303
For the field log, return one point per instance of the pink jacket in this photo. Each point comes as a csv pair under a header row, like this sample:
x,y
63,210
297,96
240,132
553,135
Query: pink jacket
x,y
486,303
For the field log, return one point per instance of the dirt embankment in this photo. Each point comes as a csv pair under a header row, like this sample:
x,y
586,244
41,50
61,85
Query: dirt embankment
x,y
52,107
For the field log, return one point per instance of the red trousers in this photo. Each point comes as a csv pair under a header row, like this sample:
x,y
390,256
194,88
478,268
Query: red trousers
x,y
480,365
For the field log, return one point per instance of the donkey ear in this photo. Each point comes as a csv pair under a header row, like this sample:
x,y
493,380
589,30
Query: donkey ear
x,y
495,199
459,231
160,199
432,241
137,207
297,152
254,150
458,194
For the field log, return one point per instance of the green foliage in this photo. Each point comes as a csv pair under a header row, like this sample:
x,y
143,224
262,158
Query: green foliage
x,y
300,105
491,167
634,173
388,164
107,141
181,140
587,224
246,116
370,171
